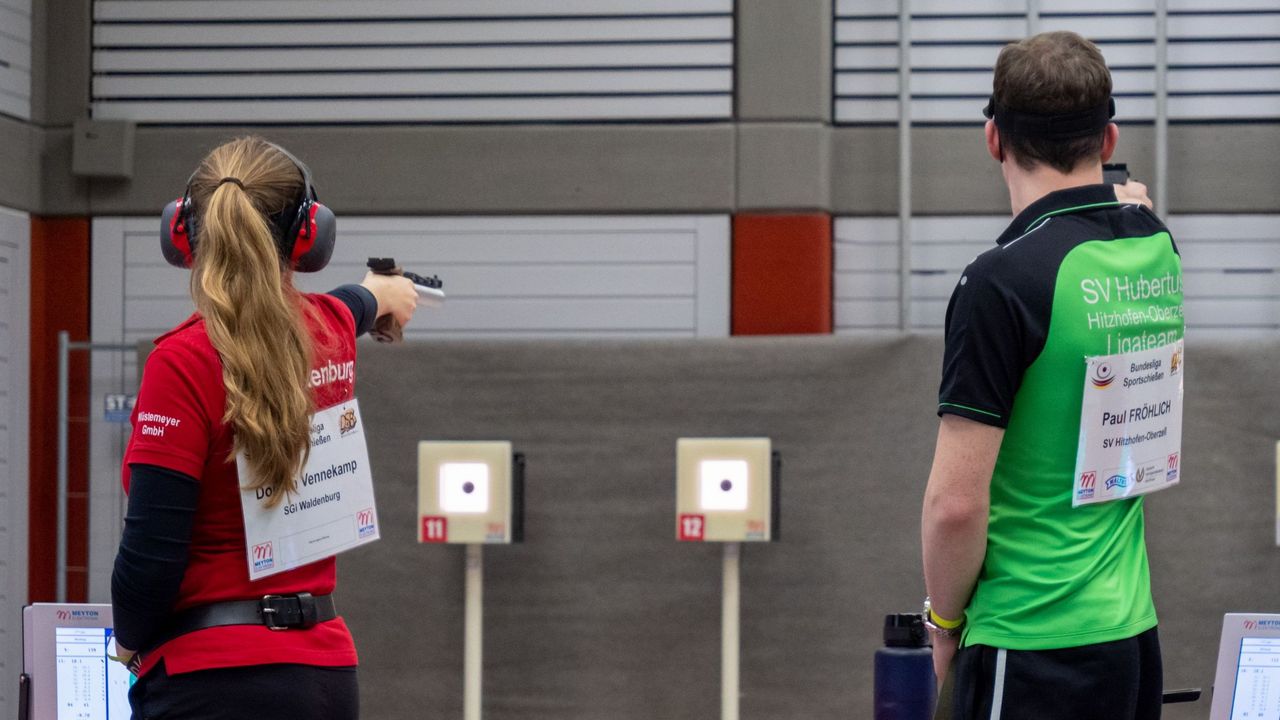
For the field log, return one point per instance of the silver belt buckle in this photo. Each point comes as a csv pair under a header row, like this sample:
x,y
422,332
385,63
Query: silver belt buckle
x,y
269,613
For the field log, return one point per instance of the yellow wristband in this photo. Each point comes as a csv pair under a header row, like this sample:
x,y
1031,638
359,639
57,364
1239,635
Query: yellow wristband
x,y
945,624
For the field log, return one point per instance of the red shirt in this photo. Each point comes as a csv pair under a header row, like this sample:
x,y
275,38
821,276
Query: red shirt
x,y
177,424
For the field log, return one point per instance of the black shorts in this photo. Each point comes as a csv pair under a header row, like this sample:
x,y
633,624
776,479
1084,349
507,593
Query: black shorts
x,y
1120,680
267,692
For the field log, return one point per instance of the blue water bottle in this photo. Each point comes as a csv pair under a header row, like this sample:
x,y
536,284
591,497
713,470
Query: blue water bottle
x,y
905,686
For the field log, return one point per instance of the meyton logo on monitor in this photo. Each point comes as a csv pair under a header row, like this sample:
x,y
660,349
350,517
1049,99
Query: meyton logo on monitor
x,y
464,487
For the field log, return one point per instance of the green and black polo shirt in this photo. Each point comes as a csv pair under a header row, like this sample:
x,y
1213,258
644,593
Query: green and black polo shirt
x,y
1077,274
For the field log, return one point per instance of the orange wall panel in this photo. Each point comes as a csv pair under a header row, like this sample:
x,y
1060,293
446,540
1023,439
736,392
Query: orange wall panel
x,y
782,274
59,301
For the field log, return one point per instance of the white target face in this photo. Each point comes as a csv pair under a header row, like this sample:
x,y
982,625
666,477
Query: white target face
x,y
464,488
723,484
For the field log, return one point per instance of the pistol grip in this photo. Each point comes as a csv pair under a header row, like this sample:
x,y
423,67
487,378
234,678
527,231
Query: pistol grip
x,y
386,329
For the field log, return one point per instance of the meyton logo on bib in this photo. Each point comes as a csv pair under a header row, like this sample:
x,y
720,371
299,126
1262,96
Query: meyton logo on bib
x,y
263,557
1088,481
364,523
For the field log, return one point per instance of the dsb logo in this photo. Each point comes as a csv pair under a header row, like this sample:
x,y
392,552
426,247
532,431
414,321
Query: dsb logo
x,y
364,523
263,556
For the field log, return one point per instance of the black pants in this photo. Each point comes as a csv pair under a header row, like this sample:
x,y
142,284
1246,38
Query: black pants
x,y
1120,680
262,692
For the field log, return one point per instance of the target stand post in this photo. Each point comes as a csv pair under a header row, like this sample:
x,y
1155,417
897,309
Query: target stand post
x,y
728,491
472,494
473,648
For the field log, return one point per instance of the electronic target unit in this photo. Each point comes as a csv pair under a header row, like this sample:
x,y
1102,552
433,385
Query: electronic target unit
x,y
470,493
727,490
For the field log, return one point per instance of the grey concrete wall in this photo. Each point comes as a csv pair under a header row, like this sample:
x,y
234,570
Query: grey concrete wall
x,y
60,76
39,72
783,98
659,168
1223,168
782,153
784,60
783,165
61,49
1212,168
434,169
20,149
602,614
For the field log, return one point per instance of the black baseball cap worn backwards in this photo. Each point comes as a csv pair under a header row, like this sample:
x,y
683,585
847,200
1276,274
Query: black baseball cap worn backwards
x,y
1059,126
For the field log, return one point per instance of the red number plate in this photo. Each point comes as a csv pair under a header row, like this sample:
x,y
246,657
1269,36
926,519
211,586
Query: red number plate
x,y
692,527
434,529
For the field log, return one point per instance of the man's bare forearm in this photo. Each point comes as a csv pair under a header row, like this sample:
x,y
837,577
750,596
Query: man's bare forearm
x,y
956,505
954,546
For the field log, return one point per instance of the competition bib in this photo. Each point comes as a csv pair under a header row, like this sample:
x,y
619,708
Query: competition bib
x,y
1130,425
332,509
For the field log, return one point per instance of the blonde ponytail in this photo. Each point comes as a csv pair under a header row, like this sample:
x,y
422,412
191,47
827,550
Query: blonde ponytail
x,y
251,311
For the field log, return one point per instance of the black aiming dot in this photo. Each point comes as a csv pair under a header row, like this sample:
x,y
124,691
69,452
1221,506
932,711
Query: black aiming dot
x,y
468,487
726,485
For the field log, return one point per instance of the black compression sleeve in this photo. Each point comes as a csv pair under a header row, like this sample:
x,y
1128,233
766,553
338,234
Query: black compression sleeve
x,y
153,552
362,304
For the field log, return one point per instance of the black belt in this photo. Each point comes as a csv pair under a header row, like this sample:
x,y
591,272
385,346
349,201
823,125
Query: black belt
x,y
276,612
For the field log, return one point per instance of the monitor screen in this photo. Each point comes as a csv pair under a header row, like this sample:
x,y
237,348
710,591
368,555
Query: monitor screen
x,y
90,686
1246,683
1257,685
65,649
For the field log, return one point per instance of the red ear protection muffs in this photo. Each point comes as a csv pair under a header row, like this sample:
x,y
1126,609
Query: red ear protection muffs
x,y
304,235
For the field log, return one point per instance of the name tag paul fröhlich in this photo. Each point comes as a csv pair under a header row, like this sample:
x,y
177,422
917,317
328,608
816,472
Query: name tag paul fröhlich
x,y
1130,425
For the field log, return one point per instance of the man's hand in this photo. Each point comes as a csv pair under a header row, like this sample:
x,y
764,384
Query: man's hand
x,y
944,650
1133,192
395,295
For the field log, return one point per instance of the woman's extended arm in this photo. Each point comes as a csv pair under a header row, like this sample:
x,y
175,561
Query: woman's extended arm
x,y
362,304
375,296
